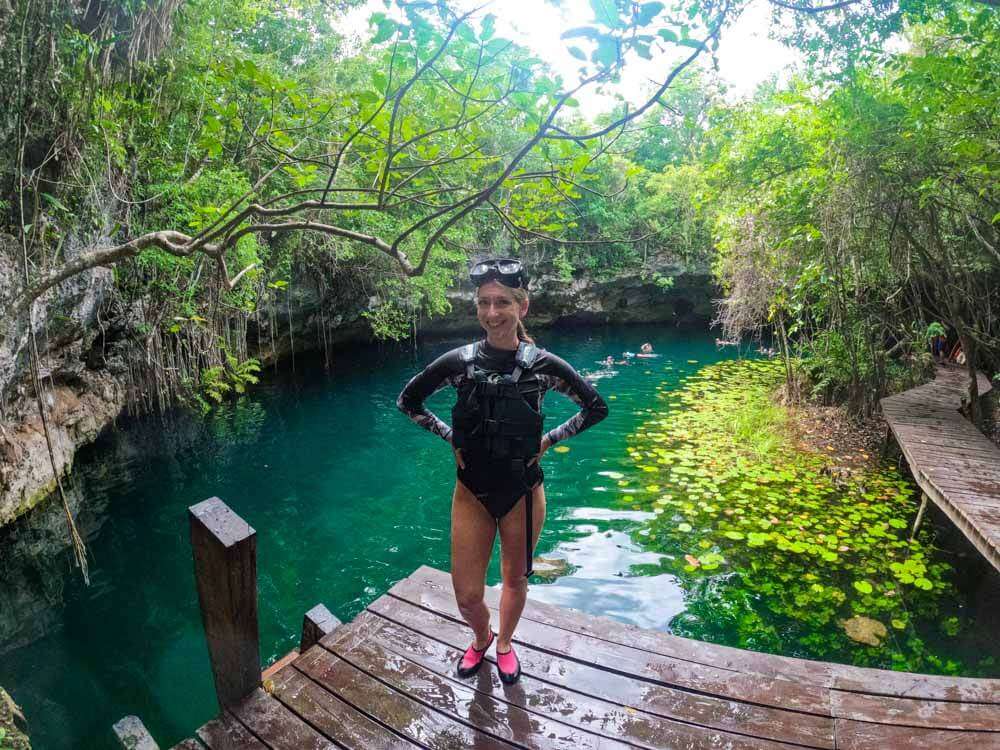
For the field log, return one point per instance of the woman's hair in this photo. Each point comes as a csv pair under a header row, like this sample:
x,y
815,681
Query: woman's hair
x,y
520,297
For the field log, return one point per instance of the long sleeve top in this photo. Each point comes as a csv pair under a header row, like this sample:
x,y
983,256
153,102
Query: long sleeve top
x,y
548,372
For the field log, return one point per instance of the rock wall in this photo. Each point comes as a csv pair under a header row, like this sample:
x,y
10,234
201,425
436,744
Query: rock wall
x,y
80,400
83,373
558,302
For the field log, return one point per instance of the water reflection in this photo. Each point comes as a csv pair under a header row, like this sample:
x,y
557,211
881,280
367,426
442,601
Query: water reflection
x,y
600,559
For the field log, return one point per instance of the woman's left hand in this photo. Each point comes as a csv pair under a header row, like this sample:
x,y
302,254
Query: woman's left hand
x,y
544,447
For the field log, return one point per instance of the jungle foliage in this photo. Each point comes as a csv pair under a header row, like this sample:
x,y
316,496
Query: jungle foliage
x,y
222,154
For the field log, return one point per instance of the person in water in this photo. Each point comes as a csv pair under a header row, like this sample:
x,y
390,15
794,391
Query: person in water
x,y
498,440
646,348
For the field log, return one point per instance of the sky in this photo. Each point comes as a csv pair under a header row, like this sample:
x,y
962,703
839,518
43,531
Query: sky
x,y
746,57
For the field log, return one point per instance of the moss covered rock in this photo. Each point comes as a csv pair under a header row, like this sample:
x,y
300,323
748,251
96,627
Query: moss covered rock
x,y
13,726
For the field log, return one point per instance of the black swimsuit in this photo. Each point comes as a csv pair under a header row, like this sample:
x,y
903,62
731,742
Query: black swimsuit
x,y
492,481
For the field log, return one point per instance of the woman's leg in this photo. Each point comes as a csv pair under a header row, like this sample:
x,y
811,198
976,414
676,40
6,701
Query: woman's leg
x,y
472,533
512,562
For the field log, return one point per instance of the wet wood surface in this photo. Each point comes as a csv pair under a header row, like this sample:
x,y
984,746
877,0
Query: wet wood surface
x,y
387,681
953,462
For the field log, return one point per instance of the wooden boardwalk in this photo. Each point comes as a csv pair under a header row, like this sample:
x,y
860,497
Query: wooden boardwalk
x,y
386,680
956,466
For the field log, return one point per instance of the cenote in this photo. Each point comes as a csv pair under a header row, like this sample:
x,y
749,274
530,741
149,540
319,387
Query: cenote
x,y
679,512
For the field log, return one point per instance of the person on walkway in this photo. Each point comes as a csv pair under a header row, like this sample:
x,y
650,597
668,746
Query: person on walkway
x,y
498,440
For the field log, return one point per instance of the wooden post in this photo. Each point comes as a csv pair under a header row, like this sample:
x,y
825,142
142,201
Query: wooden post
x,y
318,622
225,569
920,515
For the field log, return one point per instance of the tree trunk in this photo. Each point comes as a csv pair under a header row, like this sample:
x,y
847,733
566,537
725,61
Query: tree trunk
x,y
971,361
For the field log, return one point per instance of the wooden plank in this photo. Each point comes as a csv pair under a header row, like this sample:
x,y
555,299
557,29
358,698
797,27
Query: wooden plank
x,y
976,473
555,719
939,452
277,666
948,457
959,494
275,725
909,685
859,735
614,631
913,712
436,644
759,687
227,733
225,569
411,718
964,491
331,716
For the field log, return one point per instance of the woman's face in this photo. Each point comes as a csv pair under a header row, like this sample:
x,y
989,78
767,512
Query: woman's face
x,y
497,310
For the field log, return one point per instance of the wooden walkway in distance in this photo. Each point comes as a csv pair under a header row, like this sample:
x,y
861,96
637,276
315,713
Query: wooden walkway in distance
x,y
386,680
956,466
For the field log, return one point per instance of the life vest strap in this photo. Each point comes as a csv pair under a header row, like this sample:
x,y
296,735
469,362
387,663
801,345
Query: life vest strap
x,y
525,358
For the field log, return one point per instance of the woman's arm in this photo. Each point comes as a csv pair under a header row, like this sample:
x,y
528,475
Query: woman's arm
x,y
424,384
562,377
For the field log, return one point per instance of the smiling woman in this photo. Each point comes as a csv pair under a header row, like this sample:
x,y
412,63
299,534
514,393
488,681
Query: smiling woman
x,y
497,439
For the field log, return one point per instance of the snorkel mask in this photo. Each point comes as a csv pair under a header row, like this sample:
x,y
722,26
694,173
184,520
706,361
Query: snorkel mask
x,y
507,271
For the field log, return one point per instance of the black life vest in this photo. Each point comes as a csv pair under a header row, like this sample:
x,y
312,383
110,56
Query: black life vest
x,y
492,417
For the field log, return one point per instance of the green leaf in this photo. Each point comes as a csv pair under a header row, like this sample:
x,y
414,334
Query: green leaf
x,y
647,12
606,12
578,53
685,527
488,27
606,53
386,28
668,35
588,31
863,586
923,583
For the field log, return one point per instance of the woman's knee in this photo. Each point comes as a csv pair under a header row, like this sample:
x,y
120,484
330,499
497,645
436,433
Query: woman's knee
x,y
514,579
468,597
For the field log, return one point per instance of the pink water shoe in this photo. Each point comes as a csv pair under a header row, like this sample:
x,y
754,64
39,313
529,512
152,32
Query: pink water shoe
x,y
473,657
509,666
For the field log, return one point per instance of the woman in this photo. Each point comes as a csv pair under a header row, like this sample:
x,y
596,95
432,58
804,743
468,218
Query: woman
x,y
497,439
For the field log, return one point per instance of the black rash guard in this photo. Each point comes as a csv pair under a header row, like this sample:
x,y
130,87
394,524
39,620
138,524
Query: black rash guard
x,y
549,372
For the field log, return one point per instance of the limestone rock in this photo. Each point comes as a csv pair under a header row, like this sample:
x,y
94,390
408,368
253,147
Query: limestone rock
x,y
865,630
549,568
13,724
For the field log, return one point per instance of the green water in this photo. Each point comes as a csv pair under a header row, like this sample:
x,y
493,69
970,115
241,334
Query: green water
x,y
347,496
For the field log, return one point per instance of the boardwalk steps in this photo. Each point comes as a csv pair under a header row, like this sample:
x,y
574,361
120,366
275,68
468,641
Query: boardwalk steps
x,y
386,680
956,466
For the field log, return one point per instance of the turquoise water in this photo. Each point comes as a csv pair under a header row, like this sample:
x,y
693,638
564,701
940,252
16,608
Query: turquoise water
x,y
347,496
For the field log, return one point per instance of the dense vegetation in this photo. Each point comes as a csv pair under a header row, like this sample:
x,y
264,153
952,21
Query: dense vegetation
x,y
786,550
218,152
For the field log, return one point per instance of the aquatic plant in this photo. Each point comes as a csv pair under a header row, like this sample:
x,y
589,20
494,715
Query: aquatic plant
x,y
776,550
